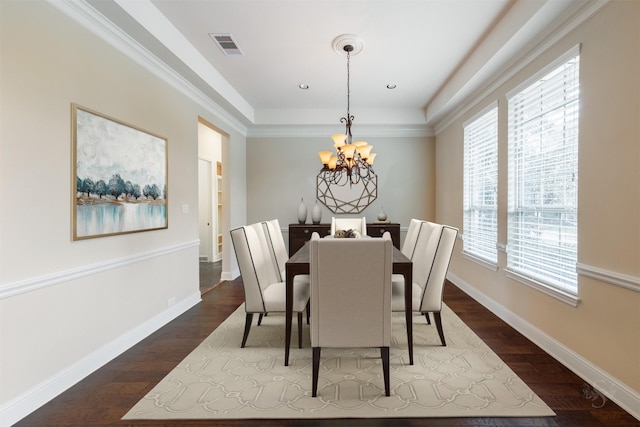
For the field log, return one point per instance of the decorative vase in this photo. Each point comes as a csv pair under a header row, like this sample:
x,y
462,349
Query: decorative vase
x,y
302,212
382,216
316,213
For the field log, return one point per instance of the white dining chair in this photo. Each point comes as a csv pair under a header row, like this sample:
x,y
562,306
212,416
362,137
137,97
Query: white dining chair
x,y
409,247
431,259
410,239
358,224
279,254
264,291
350,303
277,246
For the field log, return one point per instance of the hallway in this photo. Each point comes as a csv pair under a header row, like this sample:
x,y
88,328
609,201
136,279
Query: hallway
x,y
209,275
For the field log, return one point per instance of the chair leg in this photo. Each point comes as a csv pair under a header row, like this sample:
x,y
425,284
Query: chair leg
x,y
247,326
438,318
260,318
316,369
308,310
426,316
385,369
299,329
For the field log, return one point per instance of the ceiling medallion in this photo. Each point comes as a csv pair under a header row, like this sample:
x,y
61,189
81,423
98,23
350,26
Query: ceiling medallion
x,y
353,160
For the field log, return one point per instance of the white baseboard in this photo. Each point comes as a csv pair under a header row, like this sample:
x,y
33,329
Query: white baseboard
x,y
609,386
230,275
21,406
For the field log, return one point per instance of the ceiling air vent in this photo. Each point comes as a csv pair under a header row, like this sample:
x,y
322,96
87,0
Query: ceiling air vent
x,y
227,44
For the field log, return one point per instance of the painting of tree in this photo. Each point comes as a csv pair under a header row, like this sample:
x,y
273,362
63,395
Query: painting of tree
x,y
120,177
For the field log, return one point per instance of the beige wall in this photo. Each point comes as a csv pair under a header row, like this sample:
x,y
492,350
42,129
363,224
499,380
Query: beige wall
x,y
66,307
79,303
280,171
603,331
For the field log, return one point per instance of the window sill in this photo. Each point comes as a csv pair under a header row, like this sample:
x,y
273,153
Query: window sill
x,y
565,297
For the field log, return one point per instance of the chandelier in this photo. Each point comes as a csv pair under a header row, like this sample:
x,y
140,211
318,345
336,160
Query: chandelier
x,y
352,161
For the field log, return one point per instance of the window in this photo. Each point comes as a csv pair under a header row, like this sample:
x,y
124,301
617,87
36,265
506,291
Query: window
x,y
481,187
543,178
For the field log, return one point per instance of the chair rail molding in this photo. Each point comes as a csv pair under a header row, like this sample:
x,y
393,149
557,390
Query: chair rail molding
x,y
611,277
33,284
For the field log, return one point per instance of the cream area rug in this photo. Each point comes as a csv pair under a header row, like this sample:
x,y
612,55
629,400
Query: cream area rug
x,y
220,380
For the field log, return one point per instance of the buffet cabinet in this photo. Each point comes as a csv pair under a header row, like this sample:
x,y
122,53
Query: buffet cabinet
x,y
300,233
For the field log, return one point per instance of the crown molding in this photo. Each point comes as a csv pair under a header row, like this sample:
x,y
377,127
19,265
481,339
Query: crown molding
x,y
84,14
563,26
322,131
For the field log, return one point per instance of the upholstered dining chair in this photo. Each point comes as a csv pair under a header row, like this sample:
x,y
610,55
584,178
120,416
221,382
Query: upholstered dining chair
x,y
264,292
359,224
350,303
431,258
409,247
410,239
277,247
279,254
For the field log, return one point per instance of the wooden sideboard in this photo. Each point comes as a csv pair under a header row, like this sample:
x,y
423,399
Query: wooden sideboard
x,y
377,230
300,233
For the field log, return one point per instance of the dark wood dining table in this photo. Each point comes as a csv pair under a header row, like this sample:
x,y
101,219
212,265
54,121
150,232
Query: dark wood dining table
x,y
298,263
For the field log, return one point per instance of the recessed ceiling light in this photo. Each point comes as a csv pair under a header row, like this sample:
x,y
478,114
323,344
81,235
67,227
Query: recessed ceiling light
x,y
391,86
303,86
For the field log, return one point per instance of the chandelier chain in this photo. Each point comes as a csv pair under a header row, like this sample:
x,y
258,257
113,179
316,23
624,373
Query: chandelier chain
x,y
348,83
352,162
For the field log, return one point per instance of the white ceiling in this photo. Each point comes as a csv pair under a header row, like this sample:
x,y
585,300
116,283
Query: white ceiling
x,y
437,52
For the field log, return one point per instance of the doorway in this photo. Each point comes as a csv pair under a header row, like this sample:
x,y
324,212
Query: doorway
x,y
210,196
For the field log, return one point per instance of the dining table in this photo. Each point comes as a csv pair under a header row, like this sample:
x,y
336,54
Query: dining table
x,y
298,263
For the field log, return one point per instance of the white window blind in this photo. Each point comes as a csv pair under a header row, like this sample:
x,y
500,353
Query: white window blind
x,y
481,186
543,178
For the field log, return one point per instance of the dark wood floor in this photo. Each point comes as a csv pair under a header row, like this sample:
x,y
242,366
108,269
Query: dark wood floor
x,y
210,273
106,395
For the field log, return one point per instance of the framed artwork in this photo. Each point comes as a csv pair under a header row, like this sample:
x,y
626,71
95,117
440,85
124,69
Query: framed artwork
x,y
119,180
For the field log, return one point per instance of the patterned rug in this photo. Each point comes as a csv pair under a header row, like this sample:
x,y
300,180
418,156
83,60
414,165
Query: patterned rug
x,y
220,380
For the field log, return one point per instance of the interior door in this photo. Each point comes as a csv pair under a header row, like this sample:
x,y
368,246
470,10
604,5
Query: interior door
x,y
205,214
